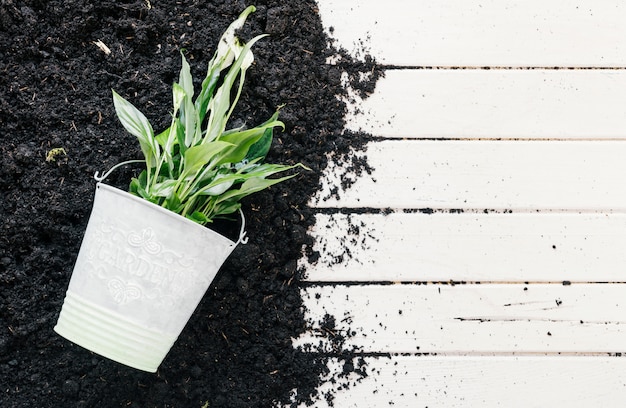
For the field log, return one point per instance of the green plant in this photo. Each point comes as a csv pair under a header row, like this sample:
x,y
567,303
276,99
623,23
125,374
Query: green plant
x,y
196,167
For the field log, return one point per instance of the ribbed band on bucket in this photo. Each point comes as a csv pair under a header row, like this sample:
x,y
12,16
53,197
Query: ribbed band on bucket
x,y
111,335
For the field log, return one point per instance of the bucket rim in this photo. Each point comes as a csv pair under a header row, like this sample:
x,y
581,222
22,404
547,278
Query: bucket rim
x,y
160,209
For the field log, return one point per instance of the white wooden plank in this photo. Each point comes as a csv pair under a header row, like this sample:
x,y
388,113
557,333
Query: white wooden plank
x,y
518,175
566,104
442,247
468,318
447,382
542,33
466,325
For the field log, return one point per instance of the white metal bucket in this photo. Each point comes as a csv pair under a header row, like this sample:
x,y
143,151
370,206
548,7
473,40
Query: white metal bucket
x,y
140,273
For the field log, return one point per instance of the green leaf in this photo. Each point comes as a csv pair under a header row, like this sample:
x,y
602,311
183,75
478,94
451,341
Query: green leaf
x,y
260,149
173,203
225,208
191,123
178,94
188,115
134,186
137,124
138,186
184,78
220,184
220,104
250,186
206,93
224,54
266,170
180,136
199,217
243,141
198,156
164,188
161,138
223,58
167,140
262,146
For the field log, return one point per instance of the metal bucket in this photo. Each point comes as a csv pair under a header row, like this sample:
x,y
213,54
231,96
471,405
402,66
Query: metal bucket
x,y
140,273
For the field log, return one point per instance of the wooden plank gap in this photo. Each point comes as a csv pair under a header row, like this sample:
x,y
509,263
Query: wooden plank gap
x,y
495,67
311,283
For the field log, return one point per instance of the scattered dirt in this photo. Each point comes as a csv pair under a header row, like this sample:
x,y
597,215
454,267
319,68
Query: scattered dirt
x,y
59,61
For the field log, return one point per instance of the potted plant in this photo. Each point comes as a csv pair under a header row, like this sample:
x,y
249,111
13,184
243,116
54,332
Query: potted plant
x,y
147,257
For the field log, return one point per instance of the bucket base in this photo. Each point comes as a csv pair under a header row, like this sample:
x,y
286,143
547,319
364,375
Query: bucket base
x,y
111,335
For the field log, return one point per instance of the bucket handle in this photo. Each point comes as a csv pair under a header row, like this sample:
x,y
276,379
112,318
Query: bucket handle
x,y
100,179
243,239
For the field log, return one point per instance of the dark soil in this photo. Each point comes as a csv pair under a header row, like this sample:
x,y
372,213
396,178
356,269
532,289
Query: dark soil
x,y
55,92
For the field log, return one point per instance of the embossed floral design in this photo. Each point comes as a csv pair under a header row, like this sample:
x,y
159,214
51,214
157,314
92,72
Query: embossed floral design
x,y
146,240
123,292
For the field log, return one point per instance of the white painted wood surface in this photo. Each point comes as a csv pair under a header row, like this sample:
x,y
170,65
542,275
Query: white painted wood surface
x,y
502,175
544,33
543,147
492,247
477,103
470,381
471,318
